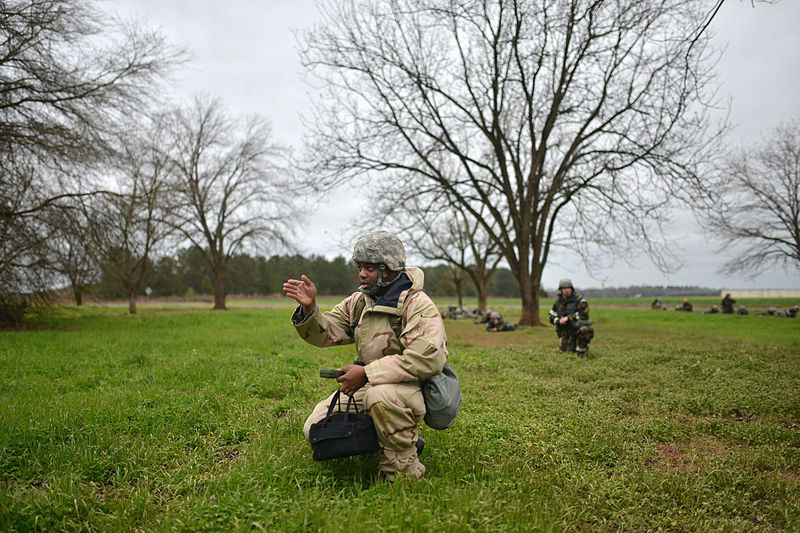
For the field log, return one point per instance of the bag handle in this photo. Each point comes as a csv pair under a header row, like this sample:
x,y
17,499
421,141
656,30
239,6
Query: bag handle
x,y
338,401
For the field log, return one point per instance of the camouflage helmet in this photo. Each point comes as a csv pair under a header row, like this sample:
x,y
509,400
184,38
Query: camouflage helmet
x,y
380,247
565,282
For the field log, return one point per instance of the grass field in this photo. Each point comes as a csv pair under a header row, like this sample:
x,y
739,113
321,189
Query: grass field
x,y
186,419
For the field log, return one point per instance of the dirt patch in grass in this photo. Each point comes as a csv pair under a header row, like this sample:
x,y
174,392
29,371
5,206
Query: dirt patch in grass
x,y
672,457
505,338
465,333
686,458
789,475
227,455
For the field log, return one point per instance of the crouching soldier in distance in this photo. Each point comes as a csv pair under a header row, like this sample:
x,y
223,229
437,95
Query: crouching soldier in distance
x,y
570,315
727,304
496,323
399,339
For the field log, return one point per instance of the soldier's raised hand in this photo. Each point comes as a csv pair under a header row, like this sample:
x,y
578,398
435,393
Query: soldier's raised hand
x,y
303,291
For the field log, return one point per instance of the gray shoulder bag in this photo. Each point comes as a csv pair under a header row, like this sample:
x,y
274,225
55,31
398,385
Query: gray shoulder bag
x,y
442,394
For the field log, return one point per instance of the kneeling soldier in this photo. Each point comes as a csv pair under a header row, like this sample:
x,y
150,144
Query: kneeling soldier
x,y
399,337
570,315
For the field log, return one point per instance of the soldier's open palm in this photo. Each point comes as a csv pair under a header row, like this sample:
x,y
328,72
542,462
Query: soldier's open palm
x,y
302,290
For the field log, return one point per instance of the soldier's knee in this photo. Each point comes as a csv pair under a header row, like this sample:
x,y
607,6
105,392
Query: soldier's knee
x,y
395,398
377,393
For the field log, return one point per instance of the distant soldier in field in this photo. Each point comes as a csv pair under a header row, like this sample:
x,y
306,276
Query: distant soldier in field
x,y
570,315
474,313
742,310
686,306
793,311
496,323
656,304
714,310
399,338
483,318
727,304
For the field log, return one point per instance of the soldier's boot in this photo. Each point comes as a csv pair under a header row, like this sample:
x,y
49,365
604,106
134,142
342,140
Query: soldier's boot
x,y
393,463
564,344
583,338
573,344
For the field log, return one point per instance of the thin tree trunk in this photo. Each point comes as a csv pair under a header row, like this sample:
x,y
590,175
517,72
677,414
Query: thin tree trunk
x,y
219,290
132,301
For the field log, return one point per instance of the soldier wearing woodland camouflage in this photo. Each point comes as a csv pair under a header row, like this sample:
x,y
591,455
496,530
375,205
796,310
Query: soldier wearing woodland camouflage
x,y
570,315
727,304
385,378
496,323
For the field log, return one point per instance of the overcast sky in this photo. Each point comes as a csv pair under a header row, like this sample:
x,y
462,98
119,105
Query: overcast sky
x,y
244,53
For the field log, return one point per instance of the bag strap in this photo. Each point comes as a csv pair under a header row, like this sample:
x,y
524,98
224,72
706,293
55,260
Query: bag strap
x,y
360,304
396,321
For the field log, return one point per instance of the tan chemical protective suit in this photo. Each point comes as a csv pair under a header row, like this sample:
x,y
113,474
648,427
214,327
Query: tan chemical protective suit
x,y
392,395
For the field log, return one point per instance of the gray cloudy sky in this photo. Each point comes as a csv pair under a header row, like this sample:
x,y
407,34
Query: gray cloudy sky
x,y
244,53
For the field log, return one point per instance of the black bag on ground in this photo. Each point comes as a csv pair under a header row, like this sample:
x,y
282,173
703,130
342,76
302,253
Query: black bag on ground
x,y
442,394
343,433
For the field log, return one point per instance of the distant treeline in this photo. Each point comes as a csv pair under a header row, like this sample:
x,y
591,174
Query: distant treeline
x,y
187,274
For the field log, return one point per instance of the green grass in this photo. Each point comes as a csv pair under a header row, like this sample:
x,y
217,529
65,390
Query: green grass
x,y
188,419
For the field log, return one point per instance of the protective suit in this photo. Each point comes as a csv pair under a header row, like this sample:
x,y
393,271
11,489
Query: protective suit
x,y
394,366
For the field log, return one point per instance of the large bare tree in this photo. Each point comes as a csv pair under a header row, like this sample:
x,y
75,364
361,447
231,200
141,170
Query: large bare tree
x,y
67,71
574,122
229,186
758,213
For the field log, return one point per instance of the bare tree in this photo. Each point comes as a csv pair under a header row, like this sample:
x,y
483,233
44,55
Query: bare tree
x,y
758,213
69,249
67,71
128,225
23,235
226,178
572,122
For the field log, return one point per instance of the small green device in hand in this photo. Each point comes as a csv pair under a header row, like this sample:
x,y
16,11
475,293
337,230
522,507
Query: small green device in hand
x,y
330,373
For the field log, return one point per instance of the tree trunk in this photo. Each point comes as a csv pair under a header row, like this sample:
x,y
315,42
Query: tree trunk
x,y
480,288
77,292
529,291
132,301
460,292
219,290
